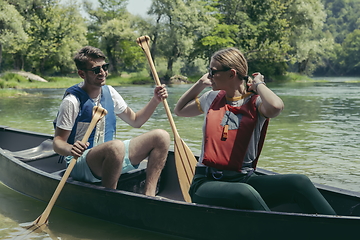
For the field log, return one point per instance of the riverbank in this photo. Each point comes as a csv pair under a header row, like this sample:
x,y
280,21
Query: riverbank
x,y
11,84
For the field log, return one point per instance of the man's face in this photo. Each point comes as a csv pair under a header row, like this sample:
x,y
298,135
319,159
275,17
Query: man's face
x,y
96,72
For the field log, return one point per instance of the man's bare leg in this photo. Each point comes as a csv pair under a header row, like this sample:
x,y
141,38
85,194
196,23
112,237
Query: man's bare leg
x,y
154,145
106,160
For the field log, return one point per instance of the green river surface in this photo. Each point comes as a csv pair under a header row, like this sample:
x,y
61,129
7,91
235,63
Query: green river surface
x,y
317,134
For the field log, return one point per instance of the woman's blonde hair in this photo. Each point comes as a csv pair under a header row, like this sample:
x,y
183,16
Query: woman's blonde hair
x,y
234,59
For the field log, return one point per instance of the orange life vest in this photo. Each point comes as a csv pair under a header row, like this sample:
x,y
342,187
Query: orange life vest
x,y
224,147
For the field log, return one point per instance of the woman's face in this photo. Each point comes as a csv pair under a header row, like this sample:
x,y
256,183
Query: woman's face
x,y
218,75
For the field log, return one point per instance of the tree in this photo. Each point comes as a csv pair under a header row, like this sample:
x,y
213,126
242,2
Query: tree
x,y
178,25
54,32
12,35
349,57
117,37
341,22
258,28
306,19
55,36
111,28
342,17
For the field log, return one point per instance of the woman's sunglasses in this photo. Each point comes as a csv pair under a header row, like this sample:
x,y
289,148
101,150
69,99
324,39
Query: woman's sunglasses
x,y
97,70
212,71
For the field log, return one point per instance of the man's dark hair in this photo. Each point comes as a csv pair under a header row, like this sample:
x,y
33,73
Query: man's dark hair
x,y
87,54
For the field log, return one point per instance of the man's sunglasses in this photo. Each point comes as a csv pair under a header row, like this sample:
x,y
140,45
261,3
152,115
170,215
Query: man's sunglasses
x,y
97,70
212,71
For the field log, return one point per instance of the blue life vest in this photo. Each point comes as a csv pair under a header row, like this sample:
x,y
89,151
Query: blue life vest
x,y
85,113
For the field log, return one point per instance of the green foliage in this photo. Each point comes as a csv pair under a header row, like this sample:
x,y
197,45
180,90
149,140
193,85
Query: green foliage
x,y
141,80
4,93
341,26
342,17
276,36
111,30
349,58
53,33
62,79
221,36
55,36
12,35
13,77
12,80
293,77
179,25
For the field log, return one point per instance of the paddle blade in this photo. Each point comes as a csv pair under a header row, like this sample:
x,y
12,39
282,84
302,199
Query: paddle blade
x,y
39,224
185,163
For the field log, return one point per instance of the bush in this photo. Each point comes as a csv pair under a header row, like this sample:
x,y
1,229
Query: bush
x,y
13,83
13,77
141,80
2,83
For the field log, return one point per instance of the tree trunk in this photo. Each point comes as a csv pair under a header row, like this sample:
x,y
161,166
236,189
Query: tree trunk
x,y
154,41
112,60
174,56
0,56
302,66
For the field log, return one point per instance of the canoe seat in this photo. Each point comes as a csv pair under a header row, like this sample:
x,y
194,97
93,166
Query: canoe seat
x,y
43,150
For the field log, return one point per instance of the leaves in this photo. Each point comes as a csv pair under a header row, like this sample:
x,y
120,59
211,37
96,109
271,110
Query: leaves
x,y
304,35
12,34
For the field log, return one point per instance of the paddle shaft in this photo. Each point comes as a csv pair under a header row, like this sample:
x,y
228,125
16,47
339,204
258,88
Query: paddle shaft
x,y
158,83
98,113
184,158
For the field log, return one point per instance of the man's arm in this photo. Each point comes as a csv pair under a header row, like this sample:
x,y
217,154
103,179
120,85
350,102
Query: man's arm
x,y
137,119
63,148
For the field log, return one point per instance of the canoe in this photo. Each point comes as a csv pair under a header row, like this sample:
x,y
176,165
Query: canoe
x,y
29,166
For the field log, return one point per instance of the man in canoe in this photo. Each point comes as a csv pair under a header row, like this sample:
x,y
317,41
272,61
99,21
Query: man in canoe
x,y
237,112
103,158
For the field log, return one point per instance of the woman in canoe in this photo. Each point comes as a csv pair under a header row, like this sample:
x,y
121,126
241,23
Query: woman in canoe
x,y
237,111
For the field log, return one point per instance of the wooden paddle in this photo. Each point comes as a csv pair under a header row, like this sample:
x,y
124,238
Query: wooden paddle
x,y
184,159
42,220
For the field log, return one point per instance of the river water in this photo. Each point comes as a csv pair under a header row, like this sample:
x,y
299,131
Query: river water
x,y
317,134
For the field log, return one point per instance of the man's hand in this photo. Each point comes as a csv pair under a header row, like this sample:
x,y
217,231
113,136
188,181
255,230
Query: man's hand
x,y
78,148
160,92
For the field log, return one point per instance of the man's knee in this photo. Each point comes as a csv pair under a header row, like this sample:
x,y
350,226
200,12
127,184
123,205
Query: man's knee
x,y
162,137
115,146
114,149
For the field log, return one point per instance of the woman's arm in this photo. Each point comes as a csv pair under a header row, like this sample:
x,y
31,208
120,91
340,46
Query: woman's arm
x,y
187,106
271,105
